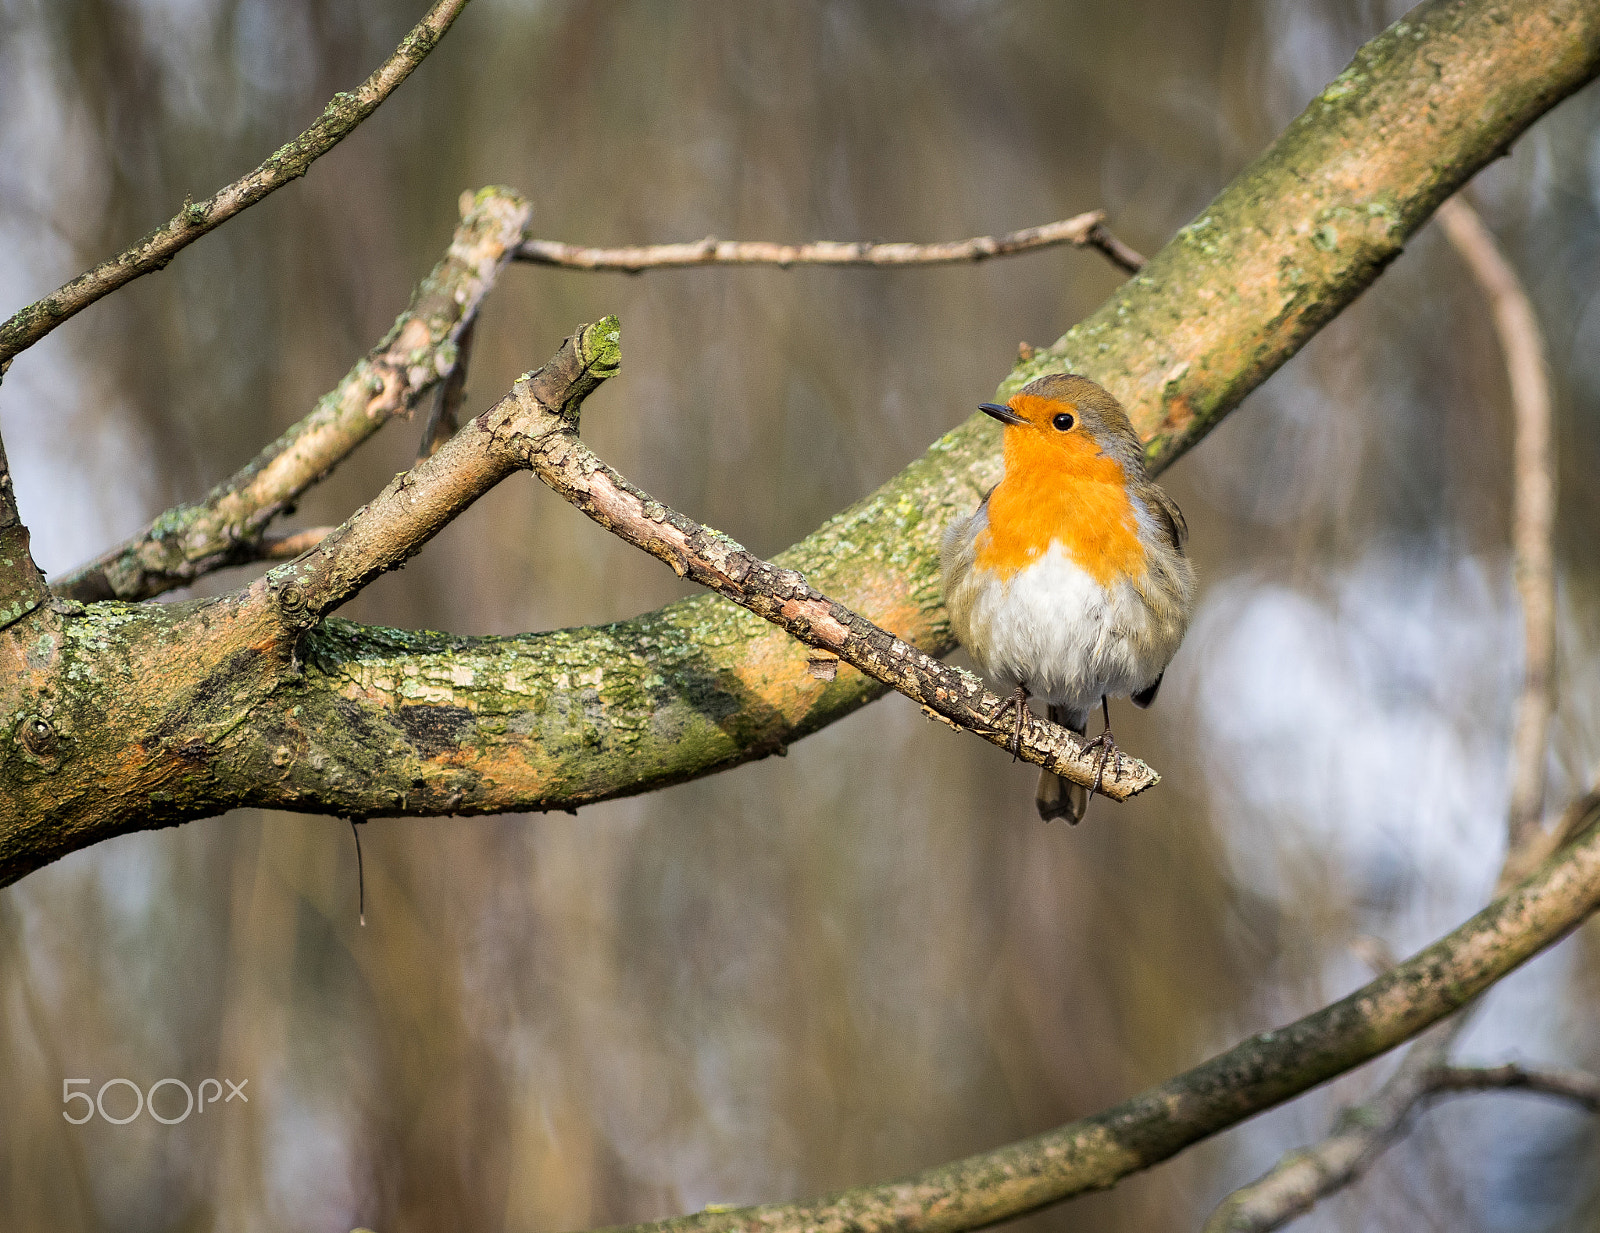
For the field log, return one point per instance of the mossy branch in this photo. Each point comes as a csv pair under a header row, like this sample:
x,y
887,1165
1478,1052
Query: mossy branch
x,y
373,722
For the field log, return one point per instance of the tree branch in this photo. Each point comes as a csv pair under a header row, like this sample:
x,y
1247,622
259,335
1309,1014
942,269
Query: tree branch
x,y
343,113
1094,1153
1293,1186
381,722
1082,231
1533,504
226,527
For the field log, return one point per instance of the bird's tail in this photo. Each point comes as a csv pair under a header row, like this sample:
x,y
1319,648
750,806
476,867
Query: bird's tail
x,y
1058,797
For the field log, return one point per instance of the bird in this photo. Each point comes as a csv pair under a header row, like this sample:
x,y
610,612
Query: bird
x,y
1070,582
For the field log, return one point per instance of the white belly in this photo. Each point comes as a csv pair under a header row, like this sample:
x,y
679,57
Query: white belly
x,y
1055,630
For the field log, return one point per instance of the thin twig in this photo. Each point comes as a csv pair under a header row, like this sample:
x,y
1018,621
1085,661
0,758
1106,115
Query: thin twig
x,y
343,113
1292,1186
361,873
422,348
1533,503
1083,231
1578,1086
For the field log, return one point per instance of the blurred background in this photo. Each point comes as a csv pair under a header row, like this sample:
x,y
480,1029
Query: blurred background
x,y
868,957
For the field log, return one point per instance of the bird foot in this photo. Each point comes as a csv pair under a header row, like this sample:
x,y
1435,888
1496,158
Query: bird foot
x,y
1018,704
1107,745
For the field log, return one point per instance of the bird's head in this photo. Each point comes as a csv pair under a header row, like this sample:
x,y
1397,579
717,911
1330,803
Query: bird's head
x,y
1065,420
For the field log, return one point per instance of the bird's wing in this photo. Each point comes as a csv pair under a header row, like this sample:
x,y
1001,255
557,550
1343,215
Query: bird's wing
x,y
1171,515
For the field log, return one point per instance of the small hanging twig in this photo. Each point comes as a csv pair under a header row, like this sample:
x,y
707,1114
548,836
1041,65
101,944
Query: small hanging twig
x,y
361,873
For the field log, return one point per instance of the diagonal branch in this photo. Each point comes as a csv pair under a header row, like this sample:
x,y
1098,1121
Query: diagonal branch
x,y
343,113
1293,1186
226,526
1081,231
1364,1132
1265,1070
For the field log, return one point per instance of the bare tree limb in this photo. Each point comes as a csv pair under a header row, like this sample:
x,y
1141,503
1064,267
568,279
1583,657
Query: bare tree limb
x,y
1094,1153
343,113
1533,504
1361,1134
1293,1186
225,527
1082,231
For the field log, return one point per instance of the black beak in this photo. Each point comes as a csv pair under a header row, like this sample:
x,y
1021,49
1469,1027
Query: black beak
x,y
1002,413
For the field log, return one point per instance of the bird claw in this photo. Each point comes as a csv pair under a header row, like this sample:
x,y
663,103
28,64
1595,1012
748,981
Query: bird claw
x,y
1107,744
1017,702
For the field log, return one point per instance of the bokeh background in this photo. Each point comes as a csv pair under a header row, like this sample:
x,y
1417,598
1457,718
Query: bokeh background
x,y
867,957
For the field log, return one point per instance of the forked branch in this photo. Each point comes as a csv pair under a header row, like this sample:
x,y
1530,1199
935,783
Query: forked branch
x,y
417,505
424,347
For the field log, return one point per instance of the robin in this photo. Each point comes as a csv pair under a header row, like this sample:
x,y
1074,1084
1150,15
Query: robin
x,y
1069,582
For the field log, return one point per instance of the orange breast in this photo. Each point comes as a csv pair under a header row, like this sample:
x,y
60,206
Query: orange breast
x,y
1060,491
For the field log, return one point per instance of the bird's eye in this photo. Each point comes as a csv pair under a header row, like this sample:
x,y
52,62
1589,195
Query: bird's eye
x,y
1063,422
